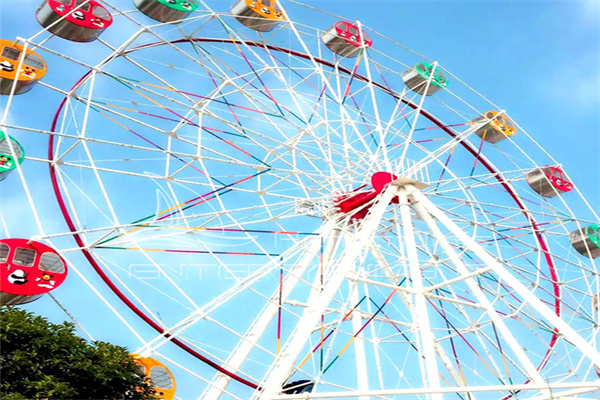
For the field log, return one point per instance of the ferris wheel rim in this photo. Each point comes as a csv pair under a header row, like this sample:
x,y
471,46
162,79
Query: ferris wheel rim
x,y
497,174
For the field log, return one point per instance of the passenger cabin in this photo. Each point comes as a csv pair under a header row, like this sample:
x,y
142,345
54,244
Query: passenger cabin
x,y
28,270
260,15
159,375
494,127
417,77
346,39
33,67
84,20
549,181
9,159
167,11
587,241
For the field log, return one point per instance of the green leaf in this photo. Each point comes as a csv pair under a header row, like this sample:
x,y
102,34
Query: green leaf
x,y
42,360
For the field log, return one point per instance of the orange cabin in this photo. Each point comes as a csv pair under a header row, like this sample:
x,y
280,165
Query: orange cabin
x,y
260,15
32,68
159,375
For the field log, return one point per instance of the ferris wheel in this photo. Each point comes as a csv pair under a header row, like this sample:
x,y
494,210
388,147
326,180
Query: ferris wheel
x,y
272,208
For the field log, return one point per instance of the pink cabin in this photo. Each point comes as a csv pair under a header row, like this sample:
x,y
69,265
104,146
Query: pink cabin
x,y
345,39
84,20
549,181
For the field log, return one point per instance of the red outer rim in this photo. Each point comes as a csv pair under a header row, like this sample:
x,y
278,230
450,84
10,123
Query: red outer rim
x,y
430,117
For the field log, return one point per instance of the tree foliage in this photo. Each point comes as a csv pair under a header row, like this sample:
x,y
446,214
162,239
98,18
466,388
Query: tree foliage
x,y
41,360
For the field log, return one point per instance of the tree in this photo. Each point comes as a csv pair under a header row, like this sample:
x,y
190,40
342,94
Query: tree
x,y
41,360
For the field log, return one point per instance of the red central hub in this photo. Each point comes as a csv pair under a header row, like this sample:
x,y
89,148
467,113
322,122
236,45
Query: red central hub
x,y
359,199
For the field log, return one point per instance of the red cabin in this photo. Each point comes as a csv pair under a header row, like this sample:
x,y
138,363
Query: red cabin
x,y
84,20
549,181
346,39
28,270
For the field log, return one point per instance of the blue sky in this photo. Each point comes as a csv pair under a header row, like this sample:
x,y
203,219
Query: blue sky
x,y
540,60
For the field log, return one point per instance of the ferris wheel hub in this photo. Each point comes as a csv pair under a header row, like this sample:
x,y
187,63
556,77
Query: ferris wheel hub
x,y
358,202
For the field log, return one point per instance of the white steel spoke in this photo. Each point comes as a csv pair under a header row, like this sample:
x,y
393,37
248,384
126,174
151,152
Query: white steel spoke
x,y
240,353
569,333
421,314
532,372
318,301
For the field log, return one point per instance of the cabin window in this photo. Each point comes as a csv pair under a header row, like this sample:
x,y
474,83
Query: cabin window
x,y
353,30
161,378
84,7
4,250
421,67
34,61
141,368
592,231
100,12
4,149
24,257
51,262
267,3
65,2
11,53
341,26
547,171
558,173
298,387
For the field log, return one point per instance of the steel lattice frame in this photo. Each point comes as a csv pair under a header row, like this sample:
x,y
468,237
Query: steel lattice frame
x,y
183,133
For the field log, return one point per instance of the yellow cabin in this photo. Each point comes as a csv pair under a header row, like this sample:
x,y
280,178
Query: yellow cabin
x,y
496,127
